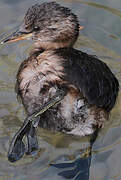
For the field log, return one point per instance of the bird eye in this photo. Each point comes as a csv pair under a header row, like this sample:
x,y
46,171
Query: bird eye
x,y
36,28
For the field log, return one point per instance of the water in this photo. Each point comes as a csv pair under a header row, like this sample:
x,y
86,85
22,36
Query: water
x,y
100,36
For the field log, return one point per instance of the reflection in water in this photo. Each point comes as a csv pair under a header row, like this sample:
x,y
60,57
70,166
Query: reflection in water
x,y
65,149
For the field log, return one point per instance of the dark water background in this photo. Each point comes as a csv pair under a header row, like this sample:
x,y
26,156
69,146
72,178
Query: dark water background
x,y
101,36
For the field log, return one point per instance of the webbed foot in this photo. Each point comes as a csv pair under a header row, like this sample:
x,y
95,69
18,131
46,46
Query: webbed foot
x,y
17,147
16,151
79,168
76,170
32,141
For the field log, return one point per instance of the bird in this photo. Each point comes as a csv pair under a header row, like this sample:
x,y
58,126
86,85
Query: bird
x,y
62,88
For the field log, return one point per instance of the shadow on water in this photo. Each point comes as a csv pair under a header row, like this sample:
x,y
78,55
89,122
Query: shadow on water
x,y
61,156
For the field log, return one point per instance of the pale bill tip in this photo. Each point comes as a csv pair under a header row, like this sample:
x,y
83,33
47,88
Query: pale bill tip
x,y
2,43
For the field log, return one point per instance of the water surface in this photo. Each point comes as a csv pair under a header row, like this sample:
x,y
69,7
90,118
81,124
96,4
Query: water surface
x,y
101,36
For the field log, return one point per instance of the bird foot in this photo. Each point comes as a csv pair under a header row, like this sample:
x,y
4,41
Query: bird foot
x,y
28,128
32,145
76,170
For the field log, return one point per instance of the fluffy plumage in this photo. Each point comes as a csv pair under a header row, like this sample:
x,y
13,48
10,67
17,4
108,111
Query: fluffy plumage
x,y
88,81
90,87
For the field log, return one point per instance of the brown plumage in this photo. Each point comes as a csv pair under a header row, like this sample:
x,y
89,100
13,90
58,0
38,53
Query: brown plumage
x,y
90,87
84,108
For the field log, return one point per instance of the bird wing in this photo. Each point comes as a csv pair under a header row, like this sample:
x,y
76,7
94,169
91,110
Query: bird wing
x,y
93,78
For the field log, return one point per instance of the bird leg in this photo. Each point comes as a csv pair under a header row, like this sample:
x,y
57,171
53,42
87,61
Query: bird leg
x,y
17,147
53,101
88,151
35,118
79,168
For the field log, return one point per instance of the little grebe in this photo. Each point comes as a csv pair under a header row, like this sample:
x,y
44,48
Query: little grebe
x,y
73,91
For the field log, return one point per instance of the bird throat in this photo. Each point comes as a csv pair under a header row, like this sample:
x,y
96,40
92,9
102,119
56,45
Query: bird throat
x,y
48,45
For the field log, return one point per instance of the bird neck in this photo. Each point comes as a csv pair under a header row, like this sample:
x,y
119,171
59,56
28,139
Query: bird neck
x,y
53,45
